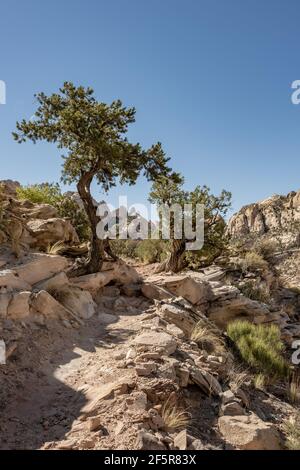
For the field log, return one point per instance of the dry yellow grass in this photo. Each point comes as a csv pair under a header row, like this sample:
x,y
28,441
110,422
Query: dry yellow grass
x,y
294,390
207,338
56,249
291,429
174,417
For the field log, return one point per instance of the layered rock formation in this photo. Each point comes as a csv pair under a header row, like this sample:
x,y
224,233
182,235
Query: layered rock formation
x,y
274,216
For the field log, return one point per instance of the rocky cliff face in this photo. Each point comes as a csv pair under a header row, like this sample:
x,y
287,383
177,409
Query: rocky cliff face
x,y
275,216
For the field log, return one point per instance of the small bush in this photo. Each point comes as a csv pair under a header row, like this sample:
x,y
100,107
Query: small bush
x,y
45,193
259,381
207,338
174,418
237,377
291,429
260,347
56,249
294,390
151,251
265,248
256,292
124,248
253,262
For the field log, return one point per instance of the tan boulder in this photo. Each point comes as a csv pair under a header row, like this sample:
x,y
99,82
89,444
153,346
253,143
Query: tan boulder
x,y
39,267
154,292
49,231
54,282
249,433
207,382
155,341
5,298
76,300
41,211
10,279
45,304
181,313
94,282
19,306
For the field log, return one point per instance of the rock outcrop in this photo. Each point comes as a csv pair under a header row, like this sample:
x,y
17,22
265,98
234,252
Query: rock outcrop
x,y
277,215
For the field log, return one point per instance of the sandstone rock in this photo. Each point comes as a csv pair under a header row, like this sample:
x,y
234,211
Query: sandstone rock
x,y
227,397
19,306
276,216
9,187
156,341
111,291
39,267
180,313
181,440
154,292
54,282
44,303
125,274
229,304
5,298
232,409
183,376
96,394
68,444
196,444
146,441
10,279
49,231
249,433
94,282
197,292
107,318
41,211
94,423
137,401
76,300
205,381
175,331
145,369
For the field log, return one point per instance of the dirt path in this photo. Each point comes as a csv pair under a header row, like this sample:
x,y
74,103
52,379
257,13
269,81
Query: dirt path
x,y
49,393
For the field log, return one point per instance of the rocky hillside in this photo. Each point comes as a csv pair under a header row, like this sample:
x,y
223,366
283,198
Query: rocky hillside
x,y
129,359
277,216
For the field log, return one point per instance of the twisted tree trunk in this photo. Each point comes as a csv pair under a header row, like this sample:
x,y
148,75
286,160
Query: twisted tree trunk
x,y
175,261
95,258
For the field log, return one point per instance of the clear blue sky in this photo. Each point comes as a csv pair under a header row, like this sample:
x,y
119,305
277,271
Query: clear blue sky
x,y
210,79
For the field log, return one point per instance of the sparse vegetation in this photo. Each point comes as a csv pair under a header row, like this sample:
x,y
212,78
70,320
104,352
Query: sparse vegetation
x,y
56,249
259,381
266,248
50,193
293,389
256,292
237,377
174,417
260,346
291,429
253,262
207,338
151,251
44,193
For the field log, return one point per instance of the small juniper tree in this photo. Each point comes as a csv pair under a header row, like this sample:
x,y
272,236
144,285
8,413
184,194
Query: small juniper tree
x,y
169,191
92,136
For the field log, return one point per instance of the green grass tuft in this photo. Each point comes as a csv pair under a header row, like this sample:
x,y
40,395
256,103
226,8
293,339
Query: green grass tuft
x,y
260,346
